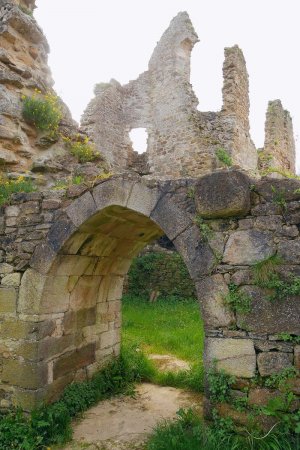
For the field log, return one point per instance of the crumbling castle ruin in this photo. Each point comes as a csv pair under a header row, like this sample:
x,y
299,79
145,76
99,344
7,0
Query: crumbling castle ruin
x,y
64,253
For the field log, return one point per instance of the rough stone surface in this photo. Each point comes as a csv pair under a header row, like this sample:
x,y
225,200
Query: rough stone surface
x,y
273,362
248,247
223,194
235,356
211,292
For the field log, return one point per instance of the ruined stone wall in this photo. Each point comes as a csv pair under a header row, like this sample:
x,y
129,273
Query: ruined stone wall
x,y
279,146
24,71
181,140
64,255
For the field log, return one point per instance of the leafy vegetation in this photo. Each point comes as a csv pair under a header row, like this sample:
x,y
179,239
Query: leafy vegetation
x,y
237,300
289,338
219,384
9,187
25,10
278,380
162,272
82,149
42,111
205,230
279,197
224,157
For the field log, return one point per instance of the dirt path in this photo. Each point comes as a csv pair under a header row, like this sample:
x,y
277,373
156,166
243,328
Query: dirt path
x,y
123,423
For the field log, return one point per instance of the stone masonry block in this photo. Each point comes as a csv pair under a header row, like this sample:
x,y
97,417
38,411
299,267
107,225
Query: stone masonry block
x,y
248,247
223,194
270,363
235,356
8,300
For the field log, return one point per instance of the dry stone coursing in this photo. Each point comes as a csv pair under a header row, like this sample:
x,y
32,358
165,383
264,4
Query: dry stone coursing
x,y
63,262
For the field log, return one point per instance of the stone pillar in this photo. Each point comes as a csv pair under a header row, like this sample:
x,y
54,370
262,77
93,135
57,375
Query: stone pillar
x,y
279,146
235,109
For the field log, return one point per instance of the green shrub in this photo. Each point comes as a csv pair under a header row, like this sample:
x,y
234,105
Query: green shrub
x,y
83,150
9,187
205,230
224,157
42,111
163,272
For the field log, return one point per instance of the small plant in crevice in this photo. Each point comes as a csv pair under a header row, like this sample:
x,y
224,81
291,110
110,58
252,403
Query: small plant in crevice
x,y
25,10
82,149
206,232
279,197
68,182
237,300
224,157
286,337
280,289
9,187
43,111
278,380
191,192
219,383
262,270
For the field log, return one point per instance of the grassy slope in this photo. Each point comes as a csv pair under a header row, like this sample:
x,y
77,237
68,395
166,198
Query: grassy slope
x,y
165,327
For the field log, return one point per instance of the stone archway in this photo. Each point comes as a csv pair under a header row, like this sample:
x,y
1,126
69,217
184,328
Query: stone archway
x,y
66,255
68,305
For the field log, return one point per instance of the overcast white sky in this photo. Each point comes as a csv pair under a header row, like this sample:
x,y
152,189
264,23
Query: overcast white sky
x,y
93,41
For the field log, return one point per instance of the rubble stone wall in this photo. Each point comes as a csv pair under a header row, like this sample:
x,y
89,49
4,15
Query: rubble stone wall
x,y
64,255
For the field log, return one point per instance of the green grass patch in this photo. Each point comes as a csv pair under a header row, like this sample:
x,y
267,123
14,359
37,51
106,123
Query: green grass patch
x,y
168,326
189,432
42,111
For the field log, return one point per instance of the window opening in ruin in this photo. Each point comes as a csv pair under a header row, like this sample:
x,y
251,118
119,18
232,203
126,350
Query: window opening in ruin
x,y
139,138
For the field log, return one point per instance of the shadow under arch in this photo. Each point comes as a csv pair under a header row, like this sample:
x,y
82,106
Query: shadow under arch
x,y
75,282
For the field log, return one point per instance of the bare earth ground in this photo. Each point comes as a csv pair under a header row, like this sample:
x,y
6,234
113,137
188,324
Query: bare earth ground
x,y
123,423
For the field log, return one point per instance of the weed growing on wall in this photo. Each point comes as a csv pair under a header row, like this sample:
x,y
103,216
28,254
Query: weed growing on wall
x,y
42,111
9,187
263,270
82,149
205,230
219,384
237,300
224,157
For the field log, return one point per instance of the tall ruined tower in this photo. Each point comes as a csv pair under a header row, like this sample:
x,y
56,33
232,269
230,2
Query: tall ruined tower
x,y
182,141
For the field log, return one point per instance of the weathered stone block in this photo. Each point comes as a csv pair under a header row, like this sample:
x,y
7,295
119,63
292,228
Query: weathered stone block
x,y
74,360
261,396
17,329
211,291
143,199
59,233
73,265
248,247
223,194
76,320
281,316
288,188
197,254
55,297
81,209
31,290
109,338
235,356
112,192
12,279
289,251
170,218
25,375
8,300
273,362
85,293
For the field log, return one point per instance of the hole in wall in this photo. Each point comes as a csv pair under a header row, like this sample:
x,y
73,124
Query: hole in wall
x,y
139,138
